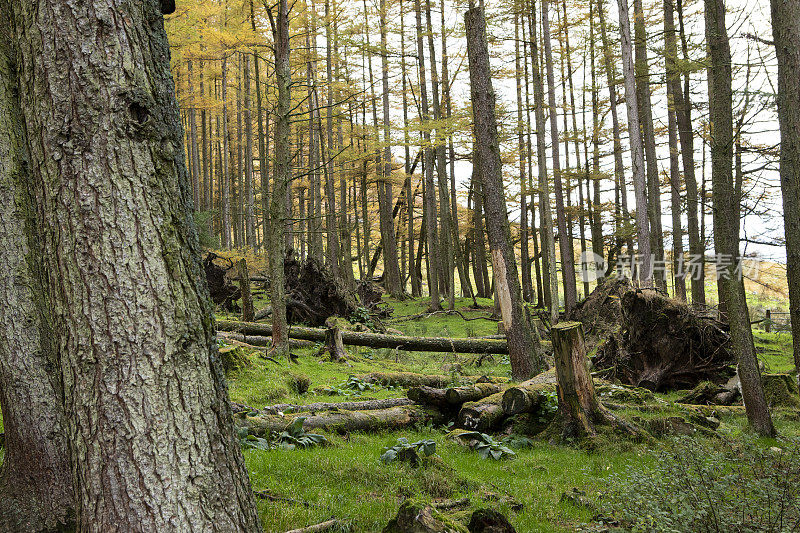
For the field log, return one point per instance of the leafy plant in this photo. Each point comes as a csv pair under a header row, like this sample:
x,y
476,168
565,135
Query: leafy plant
x,y
408,451
356,384
518,442
295,436
486,446
700,486
248,441
548,407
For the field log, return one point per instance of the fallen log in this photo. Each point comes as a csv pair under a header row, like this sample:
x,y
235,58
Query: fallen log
x,y
470,393
346,421
524,398
317,528
482,415
368,405
406,379
425,395
376,340
258,341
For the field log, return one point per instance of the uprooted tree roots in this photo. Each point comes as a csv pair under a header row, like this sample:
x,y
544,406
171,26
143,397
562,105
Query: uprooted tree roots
x,y
223,292
664,344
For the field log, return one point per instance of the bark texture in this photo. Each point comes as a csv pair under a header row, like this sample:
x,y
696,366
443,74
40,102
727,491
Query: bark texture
x,y
149,421
35,481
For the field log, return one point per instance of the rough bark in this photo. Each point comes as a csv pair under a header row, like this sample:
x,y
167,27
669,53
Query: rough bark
x,y
786,34
282,177
131,315
726,215
35,480
526,357
244,285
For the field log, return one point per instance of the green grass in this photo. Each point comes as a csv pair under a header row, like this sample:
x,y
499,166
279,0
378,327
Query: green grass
x,y
774,350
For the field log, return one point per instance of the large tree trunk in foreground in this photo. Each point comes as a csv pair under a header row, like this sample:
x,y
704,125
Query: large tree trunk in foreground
x,y
36,491
526,359
726,215
149,421
786,32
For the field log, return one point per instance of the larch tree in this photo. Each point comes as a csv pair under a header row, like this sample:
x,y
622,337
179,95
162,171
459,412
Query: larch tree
x,y
637,151
564,240
726,216
149,427
786,35
523,345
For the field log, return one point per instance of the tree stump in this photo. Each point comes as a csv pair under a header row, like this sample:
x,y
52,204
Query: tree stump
x,y
579,410
333,342
244,286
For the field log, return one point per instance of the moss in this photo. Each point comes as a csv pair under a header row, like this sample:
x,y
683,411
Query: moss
x,y
624,394
781,390
417,516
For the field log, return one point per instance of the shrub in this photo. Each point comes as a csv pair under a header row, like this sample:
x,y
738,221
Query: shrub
x,y
408,451
698,486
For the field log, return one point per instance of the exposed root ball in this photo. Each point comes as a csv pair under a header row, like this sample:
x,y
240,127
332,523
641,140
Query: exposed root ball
x,y
663,344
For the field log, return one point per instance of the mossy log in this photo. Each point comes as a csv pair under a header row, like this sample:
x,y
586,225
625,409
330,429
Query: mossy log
x,y
376,340
346,421
367,405
482,415
452,397
260,341
524,398
406,379
425,395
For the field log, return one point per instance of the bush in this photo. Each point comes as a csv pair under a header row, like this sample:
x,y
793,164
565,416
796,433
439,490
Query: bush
x,y
698,486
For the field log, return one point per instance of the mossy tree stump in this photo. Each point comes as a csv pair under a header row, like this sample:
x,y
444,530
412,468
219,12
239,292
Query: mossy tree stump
x,y
579,410
333,341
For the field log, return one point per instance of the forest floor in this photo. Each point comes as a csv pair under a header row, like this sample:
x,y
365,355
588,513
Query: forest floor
x,y
346,479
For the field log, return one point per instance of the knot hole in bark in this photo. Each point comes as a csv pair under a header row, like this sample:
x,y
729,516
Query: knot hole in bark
x,y
138,112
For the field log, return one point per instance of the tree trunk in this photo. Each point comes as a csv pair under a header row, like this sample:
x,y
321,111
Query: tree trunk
x,y
282,178
548,247
527,285
244,284
564,240
429,192
637,152
673,87
378,340
786,33
726,215
579,410
683,112
132,320
526,359
36,491
645,107
249,194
